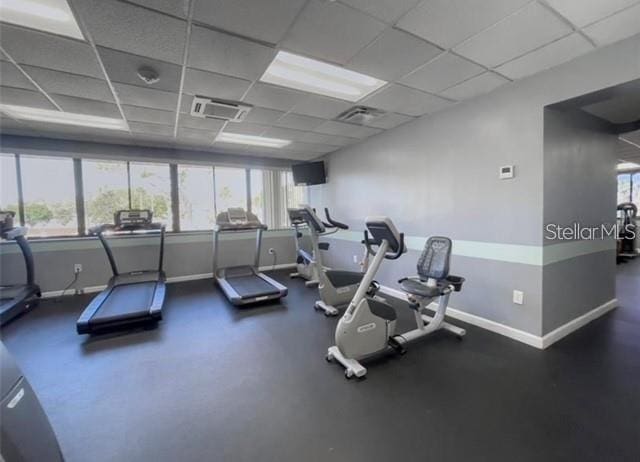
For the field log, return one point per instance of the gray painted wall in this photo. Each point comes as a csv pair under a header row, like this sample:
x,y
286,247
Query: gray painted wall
x,y
580,186
184,256
439,175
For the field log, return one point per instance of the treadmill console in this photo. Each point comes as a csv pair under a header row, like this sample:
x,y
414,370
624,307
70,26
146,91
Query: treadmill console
x,y
133,219
296,217
237,216
6,221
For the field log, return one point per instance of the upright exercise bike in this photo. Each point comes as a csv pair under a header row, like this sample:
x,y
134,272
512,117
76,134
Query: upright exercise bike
x,y
306,263
368,325
336,287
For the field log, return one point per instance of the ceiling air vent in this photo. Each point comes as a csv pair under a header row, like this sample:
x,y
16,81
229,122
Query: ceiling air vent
x,y
360,115
216,109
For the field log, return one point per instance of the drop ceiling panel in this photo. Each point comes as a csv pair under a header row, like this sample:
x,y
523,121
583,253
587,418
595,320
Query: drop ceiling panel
x,y
393,54
125,27
385,10
151,129
123,68
198,137
87,106
273,97
225,54
178,8
319,106
214,85
245,128
443,72
201,123
322,138
260,115
10,76
331,31
390,120
146,97
448,22
185,104
310,147
155,116
285,133
620,110
21,97
475,86
64,83
617,27
584,12
44,50
331,127
299,122
266,20
529,28
407,101
551,55
231,148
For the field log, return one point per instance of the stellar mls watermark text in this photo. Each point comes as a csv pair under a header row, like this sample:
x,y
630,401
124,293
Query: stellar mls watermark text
x,y
577,231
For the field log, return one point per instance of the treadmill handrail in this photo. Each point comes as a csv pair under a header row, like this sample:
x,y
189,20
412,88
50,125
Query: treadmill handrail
x,y
100,231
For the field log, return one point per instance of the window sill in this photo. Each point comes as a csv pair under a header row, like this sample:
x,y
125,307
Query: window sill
x,y
44,244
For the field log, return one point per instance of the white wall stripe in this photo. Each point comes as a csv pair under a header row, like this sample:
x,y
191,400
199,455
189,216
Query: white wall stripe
x,y
511,253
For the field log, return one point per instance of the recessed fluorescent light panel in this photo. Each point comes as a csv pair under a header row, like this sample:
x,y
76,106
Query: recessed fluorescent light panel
x,y
628,166
252,140
53,16
64,118
293,71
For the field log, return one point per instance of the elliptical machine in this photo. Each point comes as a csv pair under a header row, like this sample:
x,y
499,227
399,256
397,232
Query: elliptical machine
x,y
628,231
336,287
368,325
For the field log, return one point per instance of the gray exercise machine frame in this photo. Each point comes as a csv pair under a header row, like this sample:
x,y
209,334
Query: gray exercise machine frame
x,y
220,274
361,333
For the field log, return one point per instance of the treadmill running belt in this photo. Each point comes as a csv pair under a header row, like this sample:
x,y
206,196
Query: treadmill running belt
x,y
251,286
126,301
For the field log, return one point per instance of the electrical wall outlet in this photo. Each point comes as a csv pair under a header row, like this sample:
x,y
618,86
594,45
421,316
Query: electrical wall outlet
x,y
77,268
355,259
518,297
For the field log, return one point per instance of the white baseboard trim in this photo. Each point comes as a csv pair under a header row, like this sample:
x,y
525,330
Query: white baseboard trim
x,y
170,280
492,326
575,324
517,334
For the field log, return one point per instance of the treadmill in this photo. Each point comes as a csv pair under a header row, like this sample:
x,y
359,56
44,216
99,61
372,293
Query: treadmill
x,y
243,285
18,298
132,298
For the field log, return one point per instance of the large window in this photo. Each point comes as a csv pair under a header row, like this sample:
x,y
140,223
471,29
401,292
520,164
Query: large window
x,y
635,193
257,194
231,188
59,196
624,188
151,189
197,208
629,188
8,183
48,189
106,190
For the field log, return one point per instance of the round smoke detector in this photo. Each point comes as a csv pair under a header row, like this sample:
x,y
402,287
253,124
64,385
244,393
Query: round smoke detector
x,y
148,75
